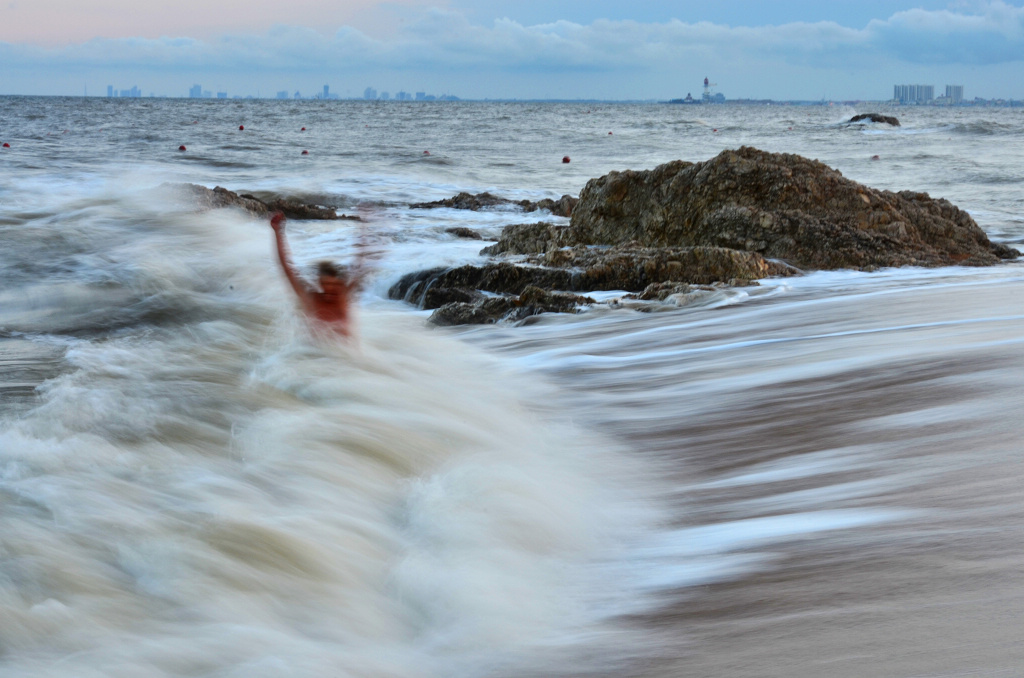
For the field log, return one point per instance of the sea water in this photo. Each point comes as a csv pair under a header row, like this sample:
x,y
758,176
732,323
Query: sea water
x,y
815,475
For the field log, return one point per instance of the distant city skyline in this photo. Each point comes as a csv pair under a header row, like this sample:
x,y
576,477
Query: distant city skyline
x,y
604,50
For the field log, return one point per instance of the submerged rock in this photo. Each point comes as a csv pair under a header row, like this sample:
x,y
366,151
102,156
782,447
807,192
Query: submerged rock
x,y
468,201
219,197
876,117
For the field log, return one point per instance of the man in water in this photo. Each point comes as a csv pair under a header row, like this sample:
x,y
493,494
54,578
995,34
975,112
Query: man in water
x,y
332,305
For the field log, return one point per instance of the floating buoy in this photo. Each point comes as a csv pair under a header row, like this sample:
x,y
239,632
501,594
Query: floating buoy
x,y
609,133
565,158
241,127
715,130
303,129
182,148
6,145
426,152
875,157
305,153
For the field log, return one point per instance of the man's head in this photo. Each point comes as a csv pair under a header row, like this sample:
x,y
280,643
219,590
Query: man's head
x,y
333,278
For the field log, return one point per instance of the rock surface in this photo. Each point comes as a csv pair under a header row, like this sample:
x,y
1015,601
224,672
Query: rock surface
x,y
674,231
468,201
876,117
218,197
780,206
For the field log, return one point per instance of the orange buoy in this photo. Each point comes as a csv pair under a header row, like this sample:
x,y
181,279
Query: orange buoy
x,y
565,158
182,147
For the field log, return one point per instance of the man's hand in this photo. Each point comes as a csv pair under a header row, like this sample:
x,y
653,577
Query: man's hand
x,y
277,221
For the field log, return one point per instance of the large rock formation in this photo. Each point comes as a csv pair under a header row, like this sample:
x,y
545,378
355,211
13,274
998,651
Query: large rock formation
x,y
738,217
781,206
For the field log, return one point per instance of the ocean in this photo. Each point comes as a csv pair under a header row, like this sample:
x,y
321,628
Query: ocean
x,y
817,475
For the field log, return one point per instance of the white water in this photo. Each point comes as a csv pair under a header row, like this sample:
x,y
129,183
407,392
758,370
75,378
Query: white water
x,y
190,484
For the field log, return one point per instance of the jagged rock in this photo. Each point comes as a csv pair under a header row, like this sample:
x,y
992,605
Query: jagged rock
x,y
780,206
528,239
876,117
633,268
533,301
219,197
468,201
462,313
463,232
502,278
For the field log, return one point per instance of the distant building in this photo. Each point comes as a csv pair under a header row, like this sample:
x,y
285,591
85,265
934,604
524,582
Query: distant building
x,y
110,90
421,96
369,93
327,92
403,96
283,94
913,94
297,95
955,93
222,95
195,92
385,96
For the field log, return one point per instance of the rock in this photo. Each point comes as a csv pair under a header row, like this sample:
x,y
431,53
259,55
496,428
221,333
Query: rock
x,y
683,231
463,232
467,201
635,268
502,278
876,117
218,197
779,206
532,302
461,313
528,239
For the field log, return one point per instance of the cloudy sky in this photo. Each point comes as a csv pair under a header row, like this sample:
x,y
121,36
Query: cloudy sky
x,y
569,49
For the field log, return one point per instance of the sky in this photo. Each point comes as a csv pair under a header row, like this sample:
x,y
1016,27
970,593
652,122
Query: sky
x,y
524,49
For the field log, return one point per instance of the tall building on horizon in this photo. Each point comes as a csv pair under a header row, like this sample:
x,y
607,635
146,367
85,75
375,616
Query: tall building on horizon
x,y
955,93
195,92
913,94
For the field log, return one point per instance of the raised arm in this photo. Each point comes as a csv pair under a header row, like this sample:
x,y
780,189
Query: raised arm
x,y
277,223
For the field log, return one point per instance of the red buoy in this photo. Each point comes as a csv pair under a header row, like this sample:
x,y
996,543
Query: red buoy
x,y
305,153
6,145
182,148
241,127
609,133
875,157
715,130
565,158
303,129
426,152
